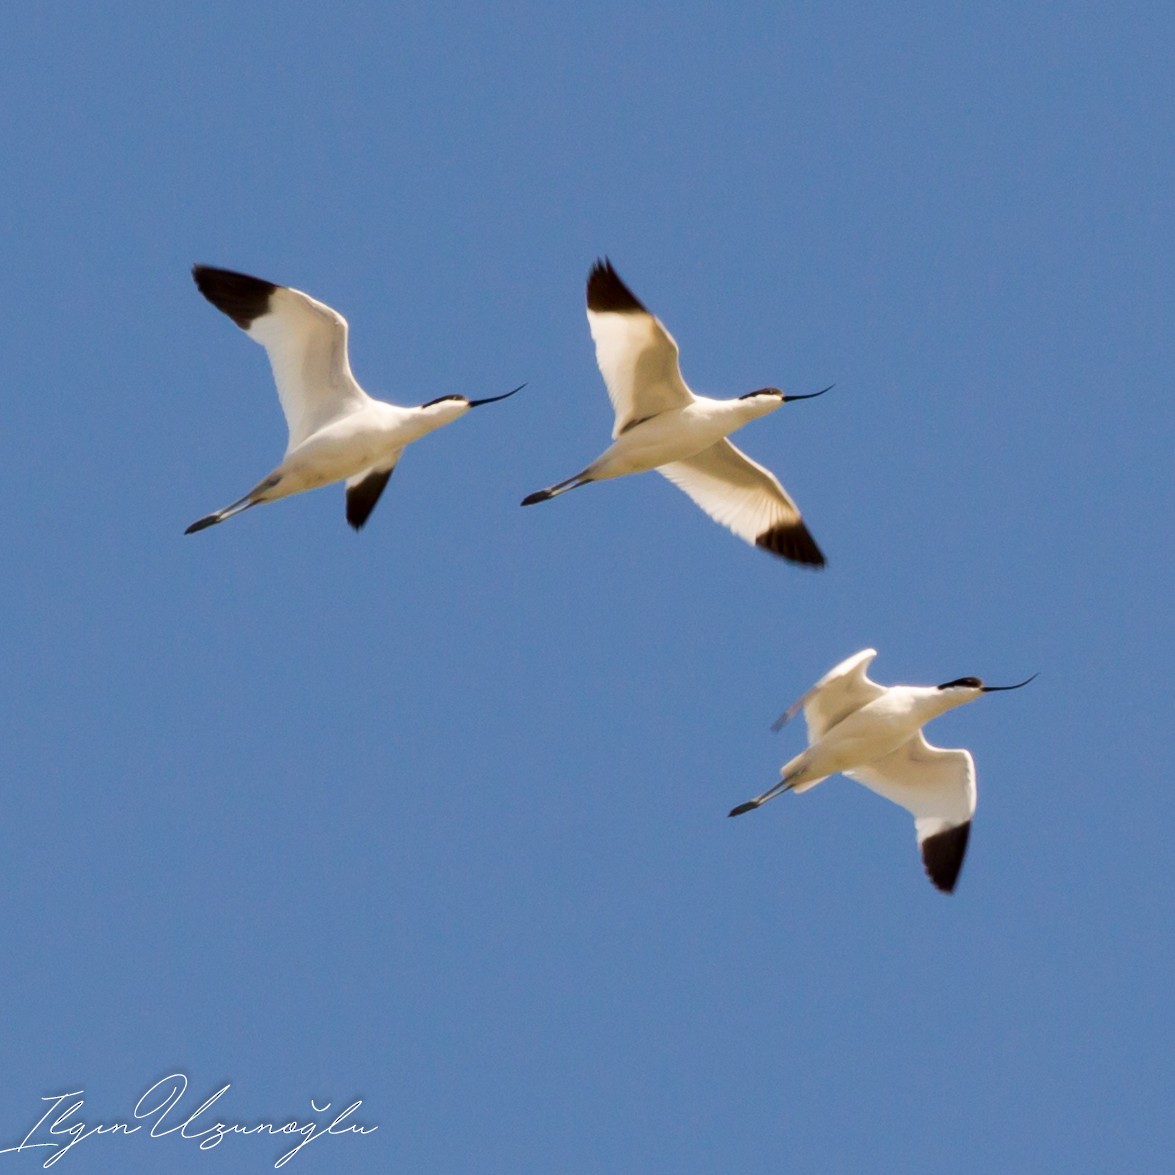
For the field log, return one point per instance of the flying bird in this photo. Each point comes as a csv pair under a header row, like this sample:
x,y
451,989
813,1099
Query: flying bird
x,y
873,733
337,431
662,425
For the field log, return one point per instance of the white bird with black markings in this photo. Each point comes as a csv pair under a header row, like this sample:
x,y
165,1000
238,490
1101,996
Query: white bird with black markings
x,y
337,431
662,425
873,734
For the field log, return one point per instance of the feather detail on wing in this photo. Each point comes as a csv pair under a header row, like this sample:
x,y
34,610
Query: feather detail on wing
x,y
744,496
843,690
636,355
936,786
306,342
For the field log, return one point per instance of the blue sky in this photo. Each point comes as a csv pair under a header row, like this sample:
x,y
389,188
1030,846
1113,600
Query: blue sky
x,y
434,816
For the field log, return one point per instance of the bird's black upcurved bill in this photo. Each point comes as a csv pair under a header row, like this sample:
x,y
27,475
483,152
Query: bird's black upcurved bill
x,y
810,395
991,689
495,399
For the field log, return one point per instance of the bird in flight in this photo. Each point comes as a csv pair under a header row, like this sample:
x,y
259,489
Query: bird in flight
x,y
337,431
873,734
662,425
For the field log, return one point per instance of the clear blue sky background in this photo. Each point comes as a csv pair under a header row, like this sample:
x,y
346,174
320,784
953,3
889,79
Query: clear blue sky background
x,y
434,815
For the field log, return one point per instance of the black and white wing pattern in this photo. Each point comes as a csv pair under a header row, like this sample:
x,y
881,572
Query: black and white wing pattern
x,y
636,355
748,499
306,342
937,787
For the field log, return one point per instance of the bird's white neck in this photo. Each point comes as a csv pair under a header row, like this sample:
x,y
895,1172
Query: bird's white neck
x,y
736,413
437,414
930,701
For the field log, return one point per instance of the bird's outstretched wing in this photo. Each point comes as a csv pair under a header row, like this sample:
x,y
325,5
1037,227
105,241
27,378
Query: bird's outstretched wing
x,y
843,690
306,342
636,354
744,496
937,787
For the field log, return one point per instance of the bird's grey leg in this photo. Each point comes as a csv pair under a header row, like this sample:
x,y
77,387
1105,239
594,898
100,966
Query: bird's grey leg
x,y
785,784
560,487
252,498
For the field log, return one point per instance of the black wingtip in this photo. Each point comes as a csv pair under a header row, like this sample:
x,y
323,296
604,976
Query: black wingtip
x,y
747,807
361,498
606,293
792,541
943,853
241,297
537,496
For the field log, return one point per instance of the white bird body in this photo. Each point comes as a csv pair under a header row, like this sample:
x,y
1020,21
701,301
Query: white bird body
x,y
875,730
372,436
676,434
873,734
337,432
660,424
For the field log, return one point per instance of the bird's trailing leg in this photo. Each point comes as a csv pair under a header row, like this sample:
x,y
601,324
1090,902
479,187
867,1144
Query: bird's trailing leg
x,y
785,784
220,515
560,487
253,498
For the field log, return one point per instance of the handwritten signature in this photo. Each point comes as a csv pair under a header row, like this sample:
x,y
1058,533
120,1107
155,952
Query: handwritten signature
x,y
157,1104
